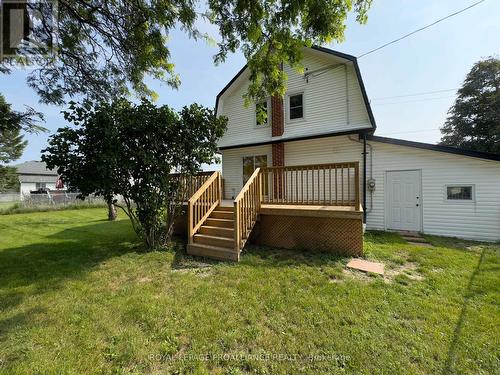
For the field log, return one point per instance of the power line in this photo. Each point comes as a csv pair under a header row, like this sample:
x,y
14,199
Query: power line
x,y
422,28
416,100
414,94
412,131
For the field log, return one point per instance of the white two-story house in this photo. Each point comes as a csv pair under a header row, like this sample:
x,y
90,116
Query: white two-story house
x,y
325,120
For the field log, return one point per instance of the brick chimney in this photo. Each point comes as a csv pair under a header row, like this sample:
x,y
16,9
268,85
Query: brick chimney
x,y
278,125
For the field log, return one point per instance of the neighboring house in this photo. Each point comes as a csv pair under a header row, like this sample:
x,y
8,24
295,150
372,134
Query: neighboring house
x,y
34,175
325,117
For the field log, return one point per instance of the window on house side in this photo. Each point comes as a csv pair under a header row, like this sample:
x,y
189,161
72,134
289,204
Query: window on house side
x,y
459,193
261,113
296,106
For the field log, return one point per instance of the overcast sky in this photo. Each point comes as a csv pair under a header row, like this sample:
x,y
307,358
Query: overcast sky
x,y
435,59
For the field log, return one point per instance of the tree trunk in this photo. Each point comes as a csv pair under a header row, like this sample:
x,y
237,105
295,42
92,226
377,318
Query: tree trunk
x,y
170,231
111,209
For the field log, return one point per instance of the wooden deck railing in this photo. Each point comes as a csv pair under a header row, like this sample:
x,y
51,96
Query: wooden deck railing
x,y
321,184
246,208
193,183
203,202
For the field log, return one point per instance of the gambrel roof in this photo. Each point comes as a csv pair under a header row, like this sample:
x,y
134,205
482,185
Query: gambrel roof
x,y
328,51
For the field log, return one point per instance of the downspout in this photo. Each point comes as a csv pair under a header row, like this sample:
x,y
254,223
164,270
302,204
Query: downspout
x,y
364,178
371,175
365,145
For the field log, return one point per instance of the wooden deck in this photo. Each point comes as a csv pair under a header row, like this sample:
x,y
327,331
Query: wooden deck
x,y
315,207
311,211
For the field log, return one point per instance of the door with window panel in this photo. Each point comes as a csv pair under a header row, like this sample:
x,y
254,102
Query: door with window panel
x,y
250,163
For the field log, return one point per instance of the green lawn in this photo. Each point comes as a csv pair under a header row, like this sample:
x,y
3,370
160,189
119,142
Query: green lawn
x,y
5,205
77,295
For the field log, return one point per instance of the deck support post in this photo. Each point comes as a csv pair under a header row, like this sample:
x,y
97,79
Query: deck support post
x,y
237,229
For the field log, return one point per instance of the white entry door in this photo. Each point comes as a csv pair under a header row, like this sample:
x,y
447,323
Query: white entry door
x,y
403,200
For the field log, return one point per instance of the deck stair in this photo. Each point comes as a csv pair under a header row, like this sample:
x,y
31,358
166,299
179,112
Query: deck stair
x,y
215,238
217,231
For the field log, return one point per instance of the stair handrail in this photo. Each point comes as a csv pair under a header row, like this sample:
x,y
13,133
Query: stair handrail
x,y
202,203
246,208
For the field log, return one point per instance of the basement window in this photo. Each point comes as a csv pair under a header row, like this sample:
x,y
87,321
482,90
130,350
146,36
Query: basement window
x,y
295,106
460,193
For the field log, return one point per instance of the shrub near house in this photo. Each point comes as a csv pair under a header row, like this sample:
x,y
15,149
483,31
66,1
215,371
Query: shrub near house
x,y
127,150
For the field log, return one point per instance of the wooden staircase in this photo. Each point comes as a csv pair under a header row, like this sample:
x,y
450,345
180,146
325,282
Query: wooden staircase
x,y
221,232
215,238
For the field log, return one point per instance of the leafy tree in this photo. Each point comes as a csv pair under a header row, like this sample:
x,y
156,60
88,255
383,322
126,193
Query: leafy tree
x,y
107,47
474,120
8,179
127,150
12,144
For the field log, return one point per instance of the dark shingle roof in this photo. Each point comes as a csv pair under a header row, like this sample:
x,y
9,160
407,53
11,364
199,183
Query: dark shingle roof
x,y
35,168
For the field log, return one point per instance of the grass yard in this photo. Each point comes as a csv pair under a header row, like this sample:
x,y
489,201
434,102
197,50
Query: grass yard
x,y
6,205
77,295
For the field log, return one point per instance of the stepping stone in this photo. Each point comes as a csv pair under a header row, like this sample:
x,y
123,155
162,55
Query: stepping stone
x,y
414,239
366,266
406,233
423,244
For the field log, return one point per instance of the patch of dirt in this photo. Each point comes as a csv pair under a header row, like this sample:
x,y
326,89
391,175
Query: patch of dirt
x,y
475,248
200,269
144,279
350,274
195,271
359,275
409,269
117,283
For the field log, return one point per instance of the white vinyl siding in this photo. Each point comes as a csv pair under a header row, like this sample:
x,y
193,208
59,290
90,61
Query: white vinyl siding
x,y
241,127
26,187
332,100
232,166
327,97
478,219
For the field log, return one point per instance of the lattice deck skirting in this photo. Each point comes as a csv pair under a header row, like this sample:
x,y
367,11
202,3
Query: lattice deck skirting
x,y
337,235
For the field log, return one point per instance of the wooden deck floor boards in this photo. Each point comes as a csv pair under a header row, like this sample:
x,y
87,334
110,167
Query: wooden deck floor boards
x,y
310,211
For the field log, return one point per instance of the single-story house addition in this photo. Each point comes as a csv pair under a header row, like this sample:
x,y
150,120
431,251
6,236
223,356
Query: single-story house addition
x,y
34,175
314,173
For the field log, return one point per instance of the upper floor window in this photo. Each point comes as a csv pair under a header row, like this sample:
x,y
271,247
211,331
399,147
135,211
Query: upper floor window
x,y
295,106
262,113
460,193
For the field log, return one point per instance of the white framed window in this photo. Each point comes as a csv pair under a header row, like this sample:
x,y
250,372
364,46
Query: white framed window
x,y
40,185
295,106
262,113
460,193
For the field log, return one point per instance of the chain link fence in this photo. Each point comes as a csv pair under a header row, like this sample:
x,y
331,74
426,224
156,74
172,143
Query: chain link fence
x,y
58,198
